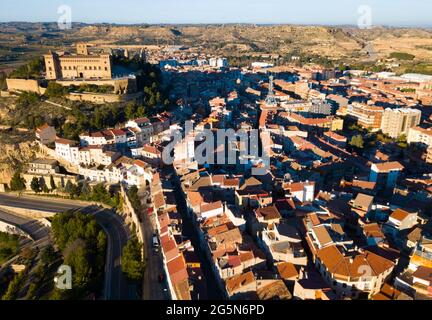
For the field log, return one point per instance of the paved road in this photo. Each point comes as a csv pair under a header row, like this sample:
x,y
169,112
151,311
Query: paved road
x,y
37,231
37,203
34,228
116,286
152,288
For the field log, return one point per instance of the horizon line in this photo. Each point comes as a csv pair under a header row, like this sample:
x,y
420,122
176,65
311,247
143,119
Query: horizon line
x,y
408,26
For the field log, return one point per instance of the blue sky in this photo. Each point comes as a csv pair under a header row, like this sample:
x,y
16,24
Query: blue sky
x,y
384,12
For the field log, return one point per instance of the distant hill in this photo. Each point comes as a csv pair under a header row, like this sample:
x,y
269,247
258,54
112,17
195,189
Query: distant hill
x,y
337,43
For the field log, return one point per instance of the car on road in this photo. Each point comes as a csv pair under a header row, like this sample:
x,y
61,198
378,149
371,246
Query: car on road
x,y
155,241
161,277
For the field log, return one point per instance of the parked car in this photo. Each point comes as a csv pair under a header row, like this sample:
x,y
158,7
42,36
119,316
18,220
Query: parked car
x,y
155,241
161,277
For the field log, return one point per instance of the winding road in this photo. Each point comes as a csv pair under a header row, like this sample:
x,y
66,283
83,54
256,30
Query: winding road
x,y
115,284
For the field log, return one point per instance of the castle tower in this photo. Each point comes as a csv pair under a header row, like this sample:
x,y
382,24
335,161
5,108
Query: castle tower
x,y
82,49
51,66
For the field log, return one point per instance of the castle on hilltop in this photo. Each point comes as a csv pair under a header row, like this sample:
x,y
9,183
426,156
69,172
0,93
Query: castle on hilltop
x,y
78,66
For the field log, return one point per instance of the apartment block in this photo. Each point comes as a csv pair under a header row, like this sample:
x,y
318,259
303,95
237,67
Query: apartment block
x,y
397,122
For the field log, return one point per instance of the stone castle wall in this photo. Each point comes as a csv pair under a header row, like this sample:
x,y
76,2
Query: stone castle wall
x,y
22,85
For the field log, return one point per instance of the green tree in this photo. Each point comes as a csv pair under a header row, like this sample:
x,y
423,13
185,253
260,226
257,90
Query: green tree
x,y
130,110
9,246
14,287
77,257
357,141
68,187
17,182
35,185
55,90
402,141
82,243
45,189
132,260
48,255
86,189
134,197
31,292
52,183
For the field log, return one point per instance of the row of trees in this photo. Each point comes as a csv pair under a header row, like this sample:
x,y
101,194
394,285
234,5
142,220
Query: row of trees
x,y
80,191
99,193
363,140
55,90
133,264
14,287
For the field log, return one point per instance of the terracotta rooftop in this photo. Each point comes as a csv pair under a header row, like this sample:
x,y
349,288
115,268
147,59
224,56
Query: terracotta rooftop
x,y
287,271
373,230
195,198
363,201
364,184
388,166
211,206
177,270
399,214
65,141
228,237
235,283
343,266
323,235
423,273
268,213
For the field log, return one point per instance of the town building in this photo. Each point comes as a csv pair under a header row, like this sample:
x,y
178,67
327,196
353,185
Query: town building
x,y
420,135
385,174
46,134
397,122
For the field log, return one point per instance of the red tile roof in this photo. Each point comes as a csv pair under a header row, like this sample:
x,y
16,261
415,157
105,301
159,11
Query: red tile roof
x,y
177,270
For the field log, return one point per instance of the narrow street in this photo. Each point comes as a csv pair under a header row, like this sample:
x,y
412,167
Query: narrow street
x,y
152,288
213,290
